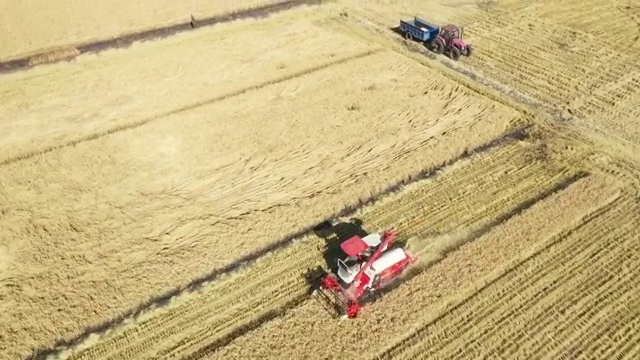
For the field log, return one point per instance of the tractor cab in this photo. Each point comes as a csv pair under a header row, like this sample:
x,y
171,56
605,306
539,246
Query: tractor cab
x,y
450,42
368,267
450,32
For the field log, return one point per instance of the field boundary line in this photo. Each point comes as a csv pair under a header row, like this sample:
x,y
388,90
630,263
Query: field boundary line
x,y
135,124
493,278
473,235
29,61
513,135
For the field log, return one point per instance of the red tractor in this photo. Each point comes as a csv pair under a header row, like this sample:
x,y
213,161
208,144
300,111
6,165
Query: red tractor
x,y
369,266
449,41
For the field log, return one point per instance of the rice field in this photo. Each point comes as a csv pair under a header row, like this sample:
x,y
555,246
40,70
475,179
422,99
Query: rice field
x,y
158,201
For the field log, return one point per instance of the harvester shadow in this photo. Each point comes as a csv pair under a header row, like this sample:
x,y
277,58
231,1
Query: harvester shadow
x,y
334,234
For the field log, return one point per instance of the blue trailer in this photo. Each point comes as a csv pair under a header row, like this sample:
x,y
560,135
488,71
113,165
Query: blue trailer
x,y
419,29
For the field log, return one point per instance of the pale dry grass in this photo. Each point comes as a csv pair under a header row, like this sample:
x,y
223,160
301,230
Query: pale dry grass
x,y
164,170
427,295
32,26
123,88
134,213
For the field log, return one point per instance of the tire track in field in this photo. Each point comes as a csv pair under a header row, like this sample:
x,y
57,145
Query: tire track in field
x,y
127,40
510,137
520,207
138,123
411,344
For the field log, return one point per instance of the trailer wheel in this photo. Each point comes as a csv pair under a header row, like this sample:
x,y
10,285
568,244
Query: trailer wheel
x,y
437,46
454,53
408,36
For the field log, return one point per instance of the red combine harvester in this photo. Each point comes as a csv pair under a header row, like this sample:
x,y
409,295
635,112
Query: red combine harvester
x,y
370,265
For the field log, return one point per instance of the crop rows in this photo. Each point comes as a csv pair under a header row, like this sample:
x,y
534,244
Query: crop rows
x,y
225,305
214,310
425,217
593,17
502,161
614,106
565,290
487,253
549,68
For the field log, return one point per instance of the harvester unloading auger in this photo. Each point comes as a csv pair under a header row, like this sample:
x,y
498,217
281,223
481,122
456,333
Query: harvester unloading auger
x,y
369,266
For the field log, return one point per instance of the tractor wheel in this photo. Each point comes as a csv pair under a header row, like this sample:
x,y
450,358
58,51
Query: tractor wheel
x,y
454,53
408,36
437,46
468,50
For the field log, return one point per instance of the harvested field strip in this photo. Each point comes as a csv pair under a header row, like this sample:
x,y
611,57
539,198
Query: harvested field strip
x,y
592,17
502,195
196,318
544,73
449,281
628,335
95,135
512,203
613,106
498,322
238,294
252,9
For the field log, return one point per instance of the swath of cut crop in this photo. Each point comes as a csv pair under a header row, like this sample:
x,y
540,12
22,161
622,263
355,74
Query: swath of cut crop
x,y
511,316
65,53
480,227
426,294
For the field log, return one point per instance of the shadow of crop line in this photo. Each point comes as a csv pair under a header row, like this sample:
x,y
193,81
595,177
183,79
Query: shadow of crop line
x,y
517,134
353,230
139,123
156,34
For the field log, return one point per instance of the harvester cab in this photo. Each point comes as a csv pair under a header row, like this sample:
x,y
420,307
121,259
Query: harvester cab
x,y
359,248
369,266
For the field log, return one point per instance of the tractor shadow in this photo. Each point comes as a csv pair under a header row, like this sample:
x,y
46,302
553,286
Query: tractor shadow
x,y
427,51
